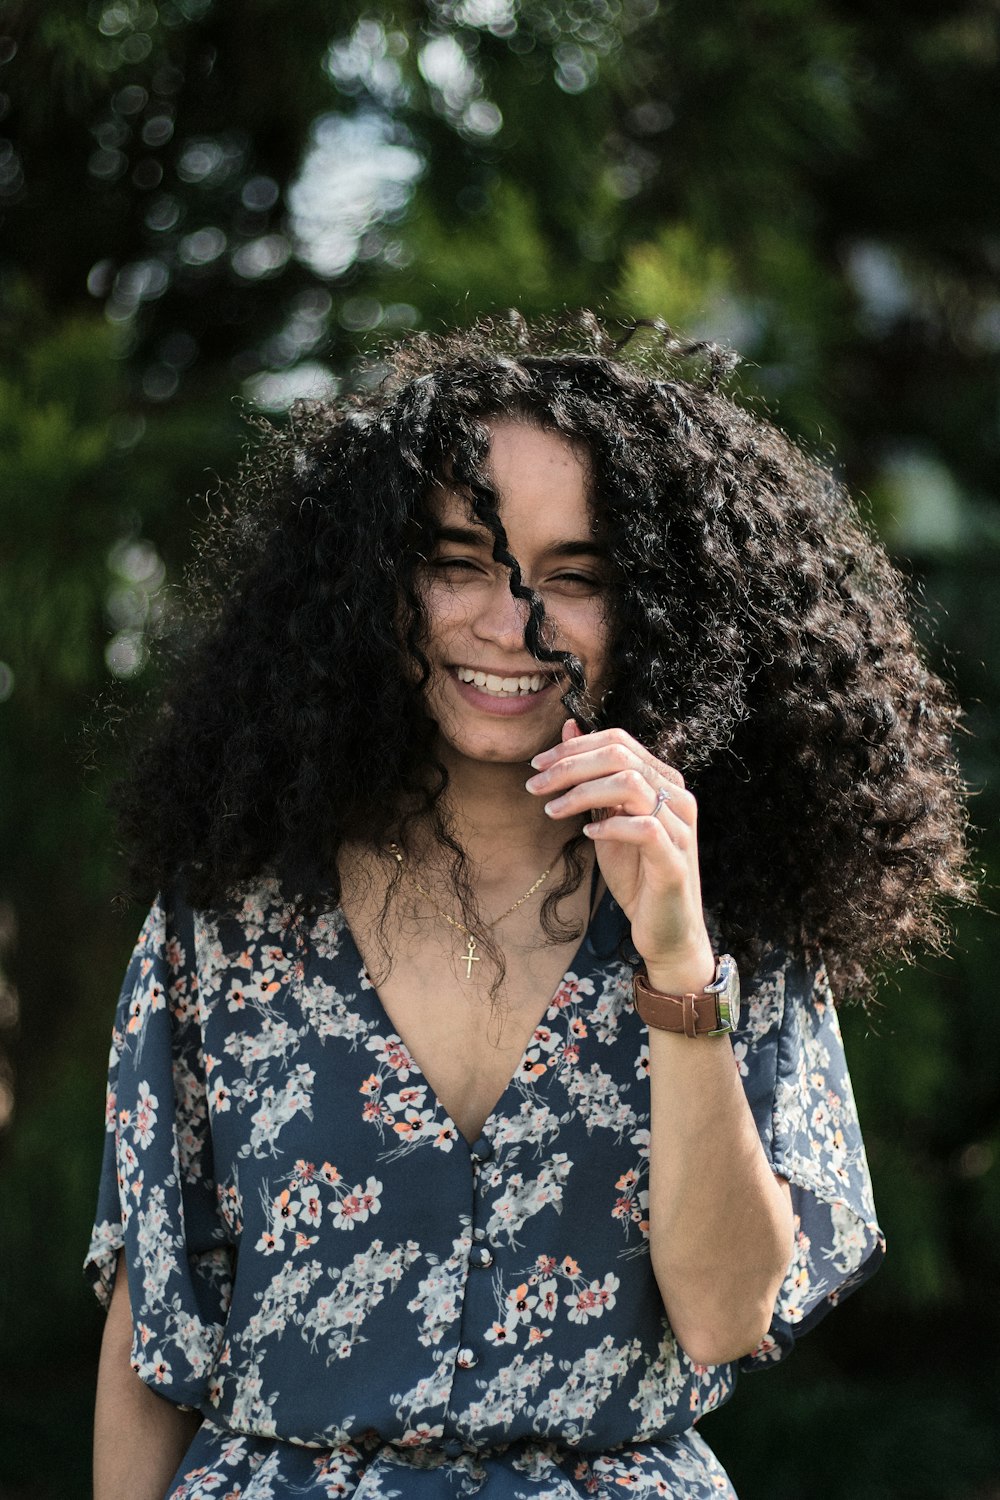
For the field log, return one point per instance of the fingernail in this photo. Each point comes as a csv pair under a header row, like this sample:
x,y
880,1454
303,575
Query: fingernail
x,y
541,759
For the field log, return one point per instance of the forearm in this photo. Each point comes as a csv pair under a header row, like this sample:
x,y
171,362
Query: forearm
x,y
139,1438
720,1220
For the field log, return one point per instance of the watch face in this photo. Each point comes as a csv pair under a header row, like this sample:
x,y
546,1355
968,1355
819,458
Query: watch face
x,y
727,989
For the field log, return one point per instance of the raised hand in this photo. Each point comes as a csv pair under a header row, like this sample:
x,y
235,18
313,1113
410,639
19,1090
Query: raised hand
x,y
643,822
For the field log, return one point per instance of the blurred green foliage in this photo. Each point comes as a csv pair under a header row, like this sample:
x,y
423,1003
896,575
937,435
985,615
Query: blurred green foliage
x,y
206,204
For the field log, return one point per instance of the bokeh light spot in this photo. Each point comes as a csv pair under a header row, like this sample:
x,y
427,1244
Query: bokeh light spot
x,y
130,100
278,390
203,246
259,194
157,130
261,257
125,653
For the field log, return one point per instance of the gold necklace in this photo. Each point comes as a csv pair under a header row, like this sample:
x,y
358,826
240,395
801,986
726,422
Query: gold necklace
x,y
469,957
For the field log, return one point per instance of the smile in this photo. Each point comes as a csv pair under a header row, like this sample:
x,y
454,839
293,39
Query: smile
x,y
504,687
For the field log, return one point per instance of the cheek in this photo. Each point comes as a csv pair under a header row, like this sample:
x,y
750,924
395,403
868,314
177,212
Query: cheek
x,y
445,614
592,631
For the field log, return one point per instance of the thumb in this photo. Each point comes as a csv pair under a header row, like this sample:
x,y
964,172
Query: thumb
x,y
570,730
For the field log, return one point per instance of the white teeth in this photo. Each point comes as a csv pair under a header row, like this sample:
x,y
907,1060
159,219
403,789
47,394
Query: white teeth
x,y
503,687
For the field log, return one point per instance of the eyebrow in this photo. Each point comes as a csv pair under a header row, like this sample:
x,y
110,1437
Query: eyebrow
x,y
468,536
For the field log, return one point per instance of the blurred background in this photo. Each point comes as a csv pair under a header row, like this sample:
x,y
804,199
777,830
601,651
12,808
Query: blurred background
x,y
213,207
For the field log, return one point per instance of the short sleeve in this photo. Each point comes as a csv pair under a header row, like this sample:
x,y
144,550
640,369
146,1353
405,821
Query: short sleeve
x,y
156,1198
791,1056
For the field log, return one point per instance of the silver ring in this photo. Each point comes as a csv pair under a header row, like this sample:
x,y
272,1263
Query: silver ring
x,y
662,795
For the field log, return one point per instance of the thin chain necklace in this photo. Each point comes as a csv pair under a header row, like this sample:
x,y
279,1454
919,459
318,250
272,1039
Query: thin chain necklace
x,y
469,957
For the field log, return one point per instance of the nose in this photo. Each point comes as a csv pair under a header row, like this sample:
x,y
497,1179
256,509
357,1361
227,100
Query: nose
x,y
501,618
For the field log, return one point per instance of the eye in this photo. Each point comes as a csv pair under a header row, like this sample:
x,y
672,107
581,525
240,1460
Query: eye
x,y
577,582
463,563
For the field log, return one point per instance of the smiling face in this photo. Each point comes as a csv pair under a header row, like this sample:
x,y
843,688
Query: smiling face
x,y
492,701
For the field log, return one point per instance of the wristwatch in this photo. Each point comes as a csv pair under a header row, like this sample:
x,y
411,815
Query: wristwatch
x,y
715,1012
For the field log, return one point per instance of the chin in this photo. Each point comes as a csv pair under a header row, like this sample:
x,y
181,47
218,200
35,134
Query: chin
x,y
501,742
505,748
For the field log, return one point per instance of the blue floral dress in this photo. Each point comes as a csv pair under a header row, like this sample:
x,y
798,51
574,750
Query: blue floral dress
x,y
361,1303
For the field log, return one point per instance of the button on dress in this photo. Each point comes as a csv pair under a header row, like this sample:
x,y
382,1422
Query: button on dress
x,y
361,1303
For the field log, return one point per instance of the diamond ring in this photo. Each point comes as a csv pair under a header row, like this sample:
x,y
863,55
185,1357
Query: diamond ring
x,y
662,795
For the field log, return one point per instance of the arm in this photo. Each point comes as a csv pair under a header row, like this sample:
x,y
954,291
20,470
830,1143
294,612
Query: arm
x,y
720,1221
139,1437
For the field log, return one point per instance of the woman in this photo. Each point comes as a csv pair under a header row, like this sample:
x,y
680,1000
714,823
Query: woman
x,y
545,692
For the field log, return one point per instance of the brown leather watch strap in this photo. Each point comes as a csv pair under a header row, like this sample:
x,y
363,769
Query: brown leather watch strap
x,y
694,1015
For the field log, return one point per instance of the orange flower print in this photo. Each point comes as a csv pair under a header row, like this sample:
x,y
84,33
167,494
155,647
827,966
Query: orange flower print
x,y
532,1066
415,1124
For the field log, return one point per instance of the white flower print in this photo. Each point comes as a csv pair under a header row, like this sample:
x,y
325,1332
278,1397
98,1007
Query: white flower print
x,y
278,1108
330,1013
144,1117
591,1301
439,1294
392,1054
359,1289
525,1197
354,1207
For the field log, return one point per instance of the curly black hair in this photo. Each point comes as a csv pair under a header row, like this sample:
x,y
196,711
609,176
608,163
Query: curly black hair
x,y
760,636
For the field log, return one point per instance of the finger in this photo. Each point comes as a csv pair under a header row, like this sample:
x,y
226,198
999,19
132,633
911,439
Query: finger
x,y
642,833
626,791
571,730
600,739
606,806
588,765
592,765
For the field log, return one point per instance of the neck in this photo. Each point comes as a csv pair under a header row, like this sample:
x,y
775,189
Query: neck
x,y
499,824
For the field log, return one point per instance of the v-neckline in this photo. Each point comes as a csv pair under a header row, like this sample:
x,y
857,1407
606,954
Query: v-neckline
x,y
440,1107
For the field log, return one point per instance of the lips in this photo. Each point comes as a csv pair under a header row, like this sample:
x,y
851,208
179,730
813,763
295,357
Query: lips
x,y
508,696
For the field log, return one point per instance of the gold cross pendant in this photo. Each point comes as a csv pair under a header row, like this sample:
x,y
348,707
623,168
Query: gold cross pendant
x,y
469,957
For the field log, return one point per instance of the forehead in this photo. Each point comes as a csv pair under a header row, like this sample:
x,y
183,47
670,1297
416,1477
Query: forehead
x,y
542,480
